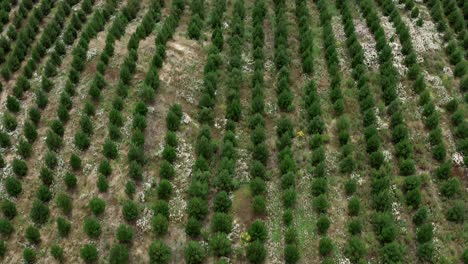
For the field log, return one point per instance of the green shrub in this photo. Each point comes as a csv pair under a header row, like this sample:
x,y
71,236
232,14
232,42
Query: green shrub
x,y
89,109
13,186
118,254
159,252
92,227
464,83
34,115
57,127
415,12
194,27
347,165
392,253
135,171
63,227
109,150
30,131
193,227
460,69
124,234
173,121
105,168
420,216
257,186
8,209
166,170
220,245
439,152
20,168
323,223
164,189
130,211
407,167
9,122
169,153
465,256
63,113
5,141
70,180
259,205
350,186
221,222
354,206
413,198
3,247
47,176
376,159
29,256
6,228
171,139
41,99
288,217
426,252
32,235
102,184
456,213
89,253
64,202
355,226
291,254
319,186
97,206
204,147
197,208
160,224
321,203
222,202
290,236
43,193
130,189
194,253
289,197
255,252
451,187
325,246
355,249
51,160
444,171
258,231
425,233
39,212
13,104
53,141
57,253
86,125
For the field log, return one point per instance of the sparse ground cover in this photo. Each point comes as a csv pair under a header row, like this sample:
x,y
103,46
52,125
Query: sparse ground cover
x,y
242,131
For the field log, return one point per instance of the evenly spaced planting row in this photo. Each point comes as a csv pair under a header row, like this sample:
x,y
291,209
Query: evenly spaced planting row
x,y
25,38
5,7
40,213
257,232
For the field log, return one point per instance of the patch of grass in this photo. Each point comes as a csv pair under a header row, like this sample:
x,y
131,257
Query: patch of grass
x,y
242,204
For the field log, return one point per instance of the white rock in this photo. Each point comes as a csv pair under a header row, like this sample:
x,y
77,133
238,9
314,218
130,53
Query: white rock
x,y
458,158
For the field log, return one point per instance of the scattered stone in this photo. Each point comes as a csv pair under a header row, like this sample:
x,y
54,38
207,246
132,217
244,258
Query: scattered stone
x,y
368,43
144,223
387,155
458,158
91,54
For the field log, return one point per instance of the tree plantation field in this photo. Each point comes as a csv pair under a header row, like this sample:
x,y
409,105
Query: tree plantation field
x,y
234,131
